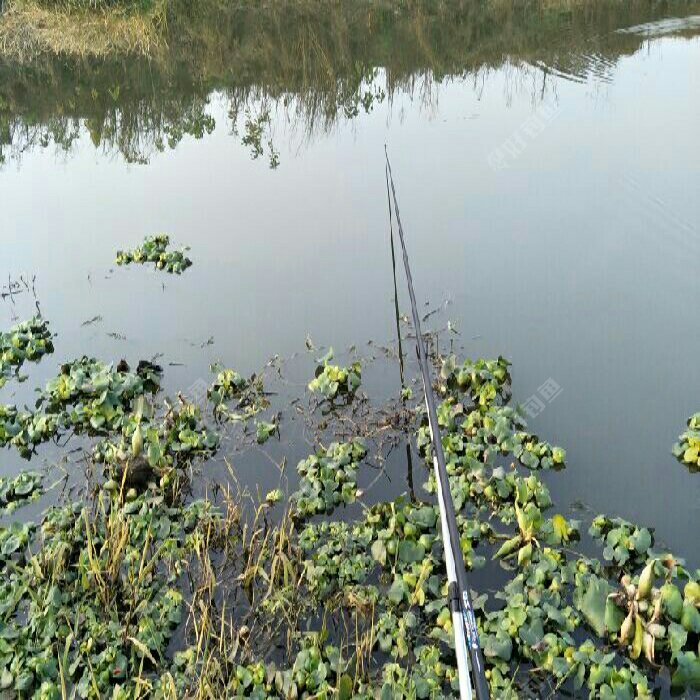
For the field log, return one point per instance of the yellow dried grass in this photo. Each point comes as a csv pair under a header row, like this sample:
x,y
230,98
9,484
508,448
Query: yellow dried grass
x,y
29,30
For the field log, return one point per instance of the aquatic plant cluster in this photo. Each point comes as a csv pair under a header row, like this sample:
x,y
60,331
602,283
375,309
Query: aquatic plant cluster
x,y
28,341
86,397
19,490
142,591
331,380
687,449
154,250
234,398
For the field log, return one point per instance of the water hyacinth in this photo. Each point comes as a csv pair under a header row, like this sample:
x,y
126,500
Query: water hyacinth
x,y
366,585
486,381
235,398
331,380
160,445
19,490
687,449
96,612
24,430
154,250
26,341
626,545
328,478
87,396
91,395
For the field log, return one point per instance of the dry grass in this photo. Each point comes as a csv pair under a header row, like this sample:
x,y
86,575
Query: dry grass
x,y
28,30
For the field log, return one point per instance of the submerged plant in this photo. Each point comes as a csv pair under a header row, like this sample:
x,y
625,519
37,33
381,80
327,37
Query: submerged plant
x,y
154,250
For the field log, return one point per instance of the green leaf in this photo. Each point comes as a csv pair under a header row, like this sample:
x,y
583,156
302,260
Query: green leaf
x,y
613,617
345,687
561,531
410,552
687,673
498,646
425,517
690,618
593,603
397,591
672,601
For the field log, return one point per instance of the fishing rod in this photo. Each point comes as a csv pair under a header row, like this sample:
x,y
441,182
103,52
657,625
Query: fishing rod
x,y
467,648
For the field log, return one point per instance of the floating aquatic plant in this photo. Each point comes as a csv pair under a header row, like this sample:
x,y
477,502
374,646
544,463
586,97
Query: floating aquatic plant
x,y
328,478
331,380
27,341
24,429
492,428
264,430
103,591
18,490
154,250
656,622
625,545
486,381
163,445
687,449
337,555
99,592
227,385
87,396
247,396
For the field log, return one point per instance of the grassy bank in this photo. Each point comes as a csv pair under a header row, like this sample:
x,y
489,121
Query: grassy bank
x,y
318,62
77,28
162,28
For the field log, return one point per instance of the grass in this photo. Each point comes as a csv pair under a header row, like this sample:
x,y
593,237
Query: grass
x,y
31,28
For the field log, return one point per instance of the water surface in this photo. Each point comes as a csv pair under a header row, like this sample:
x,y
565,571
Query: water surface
x,y
547,167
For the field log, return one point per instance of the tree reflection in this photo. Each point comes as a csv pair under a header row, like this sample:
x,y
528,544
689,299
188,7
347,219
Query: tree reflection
x,y
318,63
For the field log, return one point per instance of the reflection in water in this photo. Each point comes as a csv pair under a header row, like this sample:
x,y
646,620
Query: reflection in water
x,y
397,316
318,64
678,26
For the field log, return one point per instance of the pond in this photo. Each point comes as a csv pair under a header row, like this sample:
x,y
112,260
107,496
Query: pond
x,y
547,169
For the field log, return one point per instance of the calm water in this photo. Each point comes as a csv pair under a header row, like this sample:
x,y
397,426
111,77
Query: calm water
x,y
547,169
